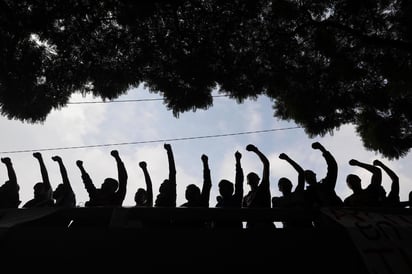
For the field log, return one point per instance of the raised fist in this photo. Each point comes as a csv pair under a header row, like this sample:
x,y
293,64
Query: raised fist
x,y
114,153
204,158
167,146
316,145
6,160
238,155
79,163
377,163
37,155
143,164
56,158
353,162
251,147
283,156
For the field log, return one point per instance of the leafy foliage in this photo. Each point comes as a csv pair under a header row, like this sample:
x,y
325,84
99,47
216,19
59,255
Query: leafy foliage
x,y
325,63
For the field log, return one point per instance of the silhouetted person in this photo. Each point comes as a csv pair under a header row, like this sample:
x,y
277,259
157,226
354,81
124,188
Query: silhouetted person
x,y
43,193
167,190
193,195
393,199
259,195
9,191
198,198
291,199
373,194
231,196
322,193
112,192
63,194
359,197
144,197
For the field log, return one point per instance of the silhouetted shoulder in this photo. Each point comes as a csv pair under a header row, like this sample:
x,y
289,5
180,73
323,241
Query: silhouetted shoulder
x,y
34,203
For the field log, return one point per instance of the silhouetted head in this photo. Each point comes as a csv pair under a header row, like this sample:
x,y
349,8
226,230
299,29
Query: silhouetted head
x,y
164,186
285,185
109,185
252,180
192,193
310,177
59,191
140,197
354,182
225,188
39,190
10,186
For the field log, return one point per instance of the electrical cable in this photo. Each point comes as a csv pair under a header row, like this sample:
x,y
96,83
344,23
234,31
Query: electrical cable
x,y
149,141
127,101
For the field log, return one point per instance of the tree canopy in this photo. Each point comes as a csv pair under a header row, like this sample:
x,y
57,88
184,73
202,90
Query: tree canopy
x,y
324,63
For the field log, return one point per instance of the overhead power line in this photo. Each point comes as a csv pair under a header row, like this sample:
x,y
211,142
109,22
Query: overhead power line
x,y
116,101
127,101
150,141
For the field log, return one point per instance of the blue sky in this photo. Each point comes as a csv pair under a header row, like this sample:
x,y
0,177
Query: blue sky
x,y
95,124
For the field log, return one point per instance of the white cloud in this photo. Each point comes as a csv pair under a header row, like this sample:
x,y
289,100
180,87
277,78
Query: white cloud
x,y
253,117
78,125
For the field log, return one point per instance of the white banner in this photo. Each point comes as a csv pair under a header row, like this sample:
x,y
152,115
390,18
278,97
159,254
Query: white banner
x,y
383,240
12,217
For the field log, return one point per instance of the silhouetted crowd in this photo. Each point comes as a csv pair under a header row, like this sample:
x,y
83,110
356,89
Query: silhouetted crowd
x,y
316,194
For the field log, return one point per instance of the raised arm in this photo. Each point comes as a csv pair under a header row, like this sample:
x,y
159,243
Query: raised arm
x,y
148,180
395,179
87,181
172,173
207,181
44,174
122,176
301,172
265,174
10,170
13,199
376,178
171,160
332,173
63,171
239,179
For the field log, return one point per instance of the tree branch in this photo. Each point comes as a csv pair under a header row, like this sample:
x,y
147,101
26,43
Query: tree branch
x,y
369,39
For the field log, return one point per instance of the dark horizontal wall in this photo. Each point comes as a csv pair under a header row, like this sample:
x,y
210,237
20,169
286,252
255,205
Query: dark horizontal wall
x,y
114,240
